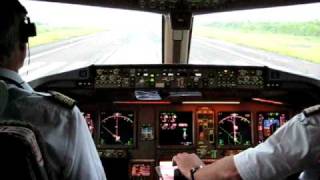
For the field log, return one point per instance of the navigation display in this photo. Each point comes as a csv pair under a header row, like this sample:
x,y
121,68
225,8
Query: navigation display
x,y
175,128
269,122
117,128
234,129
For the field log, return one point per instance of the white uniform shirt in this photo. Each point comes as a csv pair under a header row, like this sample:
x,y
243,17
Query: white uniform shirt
x,y
292,148
69,144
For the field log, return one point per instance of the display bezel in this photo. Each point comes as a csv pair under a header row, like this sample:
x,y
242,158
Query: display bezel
x,y
208,111
287,114
117,146
162,146
234,147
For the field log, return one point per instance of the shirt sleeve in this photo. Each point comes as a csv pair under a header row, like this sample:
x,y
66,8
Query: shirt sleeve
x,y
292,148
85,163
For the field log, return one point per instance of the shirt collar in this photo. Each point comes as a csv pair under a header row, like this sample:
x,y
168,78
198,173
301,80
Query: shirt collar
x,y
13,76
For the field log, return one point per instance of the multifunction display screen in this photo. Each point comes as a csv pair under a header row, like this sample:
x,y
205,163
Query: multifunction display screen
x,y
175,128
117,128
269,122
234,129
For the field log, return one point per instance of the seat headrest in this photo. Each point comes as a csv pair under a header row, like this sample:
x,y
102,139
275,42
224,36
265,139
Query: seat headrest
x,y
3,96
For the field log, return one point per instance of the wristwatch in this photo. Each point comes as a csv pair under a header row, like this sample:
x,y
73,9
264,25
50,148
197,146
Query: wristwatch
x,y
194,170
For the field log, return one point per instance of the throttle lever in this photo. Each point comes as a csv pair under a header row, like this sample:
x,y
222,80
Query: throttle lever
x,y
177,173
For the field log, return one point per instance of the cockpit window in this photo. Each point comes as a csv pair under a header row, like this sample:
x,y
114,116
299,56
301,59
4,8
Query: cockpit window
x,y
284,38
74,36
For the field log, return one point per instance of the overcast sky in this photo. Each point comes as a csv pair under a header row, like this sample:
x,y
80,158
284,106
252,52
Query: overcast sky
x,y
65,14
305,12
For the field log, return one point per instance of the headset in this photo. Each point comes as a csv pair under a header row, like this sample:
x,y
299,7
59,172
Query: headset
x,y
27,29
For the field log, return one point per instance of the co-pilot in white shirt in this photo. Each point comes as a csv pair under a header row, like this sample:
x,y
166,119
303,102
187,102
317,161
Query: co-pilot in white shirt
x,y
69,143
294,147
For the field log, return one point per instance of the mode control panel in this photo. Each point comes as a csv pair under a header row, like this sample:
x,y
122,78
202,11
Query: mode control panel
x,y
179,78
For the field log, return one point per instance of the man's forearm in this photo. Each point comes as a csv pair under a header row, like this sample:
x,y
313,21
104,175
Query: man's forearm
x,y
223,169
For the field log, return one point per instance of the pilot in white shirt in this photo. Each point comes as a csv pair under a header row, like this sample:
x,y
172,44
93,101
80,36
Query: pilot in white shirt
x,y
293,148
69,144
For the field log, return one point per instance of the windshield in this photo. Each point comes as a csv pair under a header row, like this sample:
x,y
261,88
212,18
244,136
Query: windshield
x,y
74,36
284,38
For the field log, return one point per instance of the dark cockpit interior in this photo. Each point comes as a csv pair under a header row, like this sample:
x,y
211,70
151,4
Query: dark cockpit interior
x,y
142,115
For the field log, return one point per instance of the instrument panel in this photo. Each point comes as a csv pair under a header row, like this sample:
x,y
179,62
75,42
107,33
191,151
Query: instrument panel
x,y
144,135
187,77
142,115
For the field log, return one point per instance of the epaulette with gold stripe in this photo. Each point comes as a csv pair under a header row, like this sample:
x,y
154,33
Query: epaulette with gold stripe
x,y
63,99
311,110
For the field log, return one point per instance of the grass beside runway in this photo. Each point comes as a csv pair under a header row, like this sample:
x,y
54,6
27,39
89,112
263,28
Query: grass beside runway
x,y
49,34
302,46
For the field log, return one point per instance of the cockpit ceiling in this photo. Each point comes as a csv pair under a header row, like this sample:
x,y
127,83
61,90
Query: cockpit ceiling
x,y
194,6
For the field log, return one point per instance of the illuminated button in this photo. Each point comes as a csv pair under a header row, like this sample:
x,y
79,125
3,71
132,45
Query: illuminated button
x,y
213,154
160,85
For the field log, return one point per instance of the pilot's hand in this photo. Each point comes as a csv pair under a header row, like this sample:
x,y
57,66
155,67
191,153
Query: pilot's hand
x,y
186,162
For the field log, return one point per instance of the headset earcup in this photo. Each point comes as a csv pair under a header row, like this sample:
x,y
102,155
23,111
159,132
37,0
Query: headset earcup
x,y
27,30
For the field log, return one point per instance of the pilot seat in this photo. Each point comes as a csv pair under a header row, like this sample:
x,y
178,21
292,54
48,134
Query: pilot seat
x,y
22,152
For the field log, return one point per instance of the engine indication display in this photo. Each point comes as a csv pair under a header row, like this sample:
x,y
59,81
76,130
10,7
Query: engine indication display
x,y
206,132
117,128
175,128
234,129
269,122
